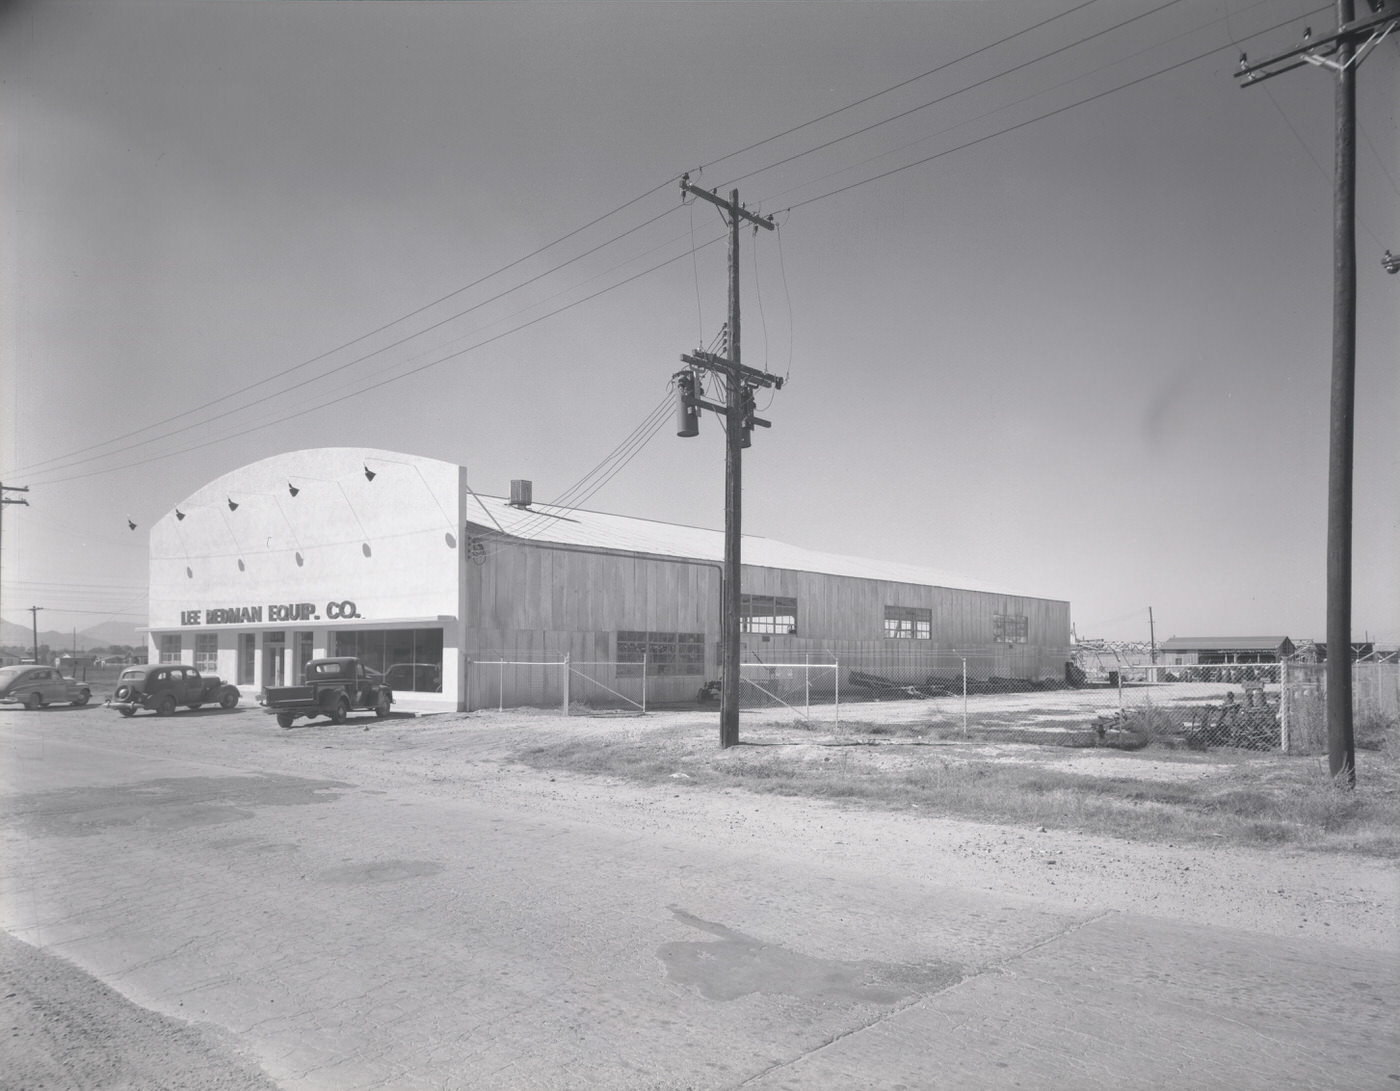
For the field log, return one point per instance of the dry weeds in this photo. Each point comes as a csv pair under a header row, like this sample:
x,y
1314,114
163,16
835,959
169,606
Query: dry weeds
x,y
1153,794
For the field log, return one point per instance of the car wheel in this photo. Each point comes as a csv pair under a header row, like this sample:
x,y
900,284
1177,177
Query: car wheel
x,y
123,692
31,701
82,699
341,712
127,712
229,698
166,705
285,719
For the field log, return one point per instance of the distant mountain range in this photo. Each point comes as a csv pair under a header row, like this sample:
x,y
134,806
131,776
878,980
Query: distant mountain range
x,y
99,636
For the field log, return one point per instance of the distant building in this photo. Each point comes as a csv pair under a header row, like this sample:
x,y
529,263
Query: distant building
x,y
1186,651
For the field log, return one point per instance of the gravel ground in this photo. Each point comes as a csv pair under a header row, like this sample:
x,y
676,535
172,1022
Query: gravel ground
x,y
68,1030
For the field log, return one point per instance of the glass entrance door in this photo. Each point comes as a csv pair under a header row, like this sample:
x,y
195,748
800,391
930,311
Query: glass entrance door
x,y
274,659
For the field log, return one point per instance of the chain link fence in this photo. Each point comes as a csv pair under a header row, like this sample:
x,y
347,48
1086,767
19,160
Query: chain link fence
x,y
1263,706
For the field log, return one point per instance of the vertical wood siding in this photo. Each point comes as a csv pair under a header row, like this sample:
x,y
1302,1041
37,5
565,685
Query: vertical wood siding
x,y
531,601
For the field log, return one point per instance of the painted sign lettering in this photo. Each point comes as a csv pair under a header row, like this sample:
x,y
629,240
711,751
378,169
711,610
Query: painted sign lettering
x,y
341,610
292,611
231,615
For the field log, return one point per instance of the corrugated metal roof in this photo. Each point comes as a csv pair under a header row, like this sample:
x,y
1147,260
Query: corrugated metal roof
x,y
1223,643
598,530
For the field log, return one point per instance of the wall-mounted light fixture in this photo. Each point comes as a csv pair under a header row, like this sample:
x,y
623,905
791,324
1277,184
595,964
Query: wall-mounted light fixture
x,y
179,514
232,505
292,488
369,474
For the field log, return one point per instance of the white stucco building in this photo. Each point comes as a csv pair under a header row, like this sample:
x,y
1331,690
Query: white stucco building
x,y
395,559
335,551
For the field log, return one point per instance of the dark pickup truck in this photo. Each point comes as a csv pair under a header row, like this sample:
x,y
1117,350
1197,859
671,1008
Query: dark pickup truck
x,y
333,688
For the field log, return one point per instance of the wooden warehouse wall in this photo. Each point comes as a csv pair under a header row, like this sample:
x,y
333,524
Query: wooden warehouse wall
x,y
536,601
846,616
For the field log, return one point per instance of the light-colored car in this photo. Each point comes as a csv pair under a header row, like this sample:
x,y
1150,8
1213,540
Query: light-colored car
x,y
35,685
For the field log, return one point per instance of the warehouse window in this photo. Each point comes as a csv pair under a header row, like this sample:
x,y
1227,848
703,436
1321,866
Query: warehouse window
x,y
206,653
1009,628
170,648
667,654
908,623
767,614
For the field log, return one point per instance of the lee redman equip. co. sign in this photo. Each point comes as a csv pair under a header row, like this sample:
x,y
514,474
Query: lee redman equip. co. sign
x,y
343,610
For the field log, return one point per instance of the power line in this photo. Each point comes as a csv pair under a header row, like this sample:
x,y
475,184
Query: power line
x,y
895,87
1025,98
383,382
961,90
402,318
69,461
408,337
319,376
609,466
1022,124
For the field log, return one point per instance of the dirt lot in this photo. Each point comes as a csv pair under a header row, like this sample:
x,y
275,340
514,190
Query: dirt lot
x,y
789,782
667,768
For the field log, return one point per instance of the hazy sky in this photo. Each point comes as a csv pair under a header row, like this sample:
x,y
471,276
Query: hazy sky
x,y
1079,350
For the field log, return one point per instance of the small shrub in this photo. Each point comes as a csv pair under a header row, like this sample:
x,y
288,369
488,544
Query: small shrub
x,y
1373,730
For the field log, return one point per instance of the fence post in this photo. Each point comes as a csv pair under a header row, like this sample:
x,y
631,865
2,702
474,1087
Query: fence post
x,y
838,691
467,682
566,683
1283,709
644,683
964,672
501,686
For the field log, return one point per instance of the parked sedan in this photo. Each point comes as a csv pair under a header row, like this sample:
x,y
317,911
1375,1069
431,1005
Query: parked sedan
x,y
35,686
165,686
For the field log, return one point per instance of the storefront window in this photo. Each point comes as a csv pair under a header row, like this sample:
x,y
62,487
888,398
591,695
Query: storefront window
x,y
409,659
170,648
246,644
206,653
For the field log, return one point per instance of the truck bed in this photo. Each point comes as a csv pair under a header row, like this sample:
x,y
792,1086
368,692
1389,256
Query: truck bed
x,y
291,697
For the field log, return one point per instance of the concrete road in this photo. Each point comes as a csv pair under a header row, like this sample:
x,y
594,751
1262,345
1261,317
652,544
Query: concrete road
x,y
396,906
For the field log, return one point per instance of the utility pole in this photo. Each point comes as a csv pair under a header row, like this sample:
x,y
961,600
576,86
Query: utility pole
x,y
34,616
1152,635
737,411
1341,53
8,500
